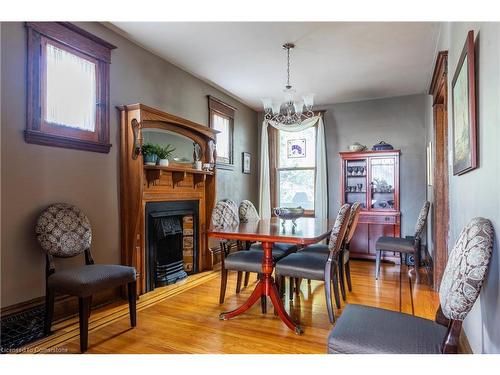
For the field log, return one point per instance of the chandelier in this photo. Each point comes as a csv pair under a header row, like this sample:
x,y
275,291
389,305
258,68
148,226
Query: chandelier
x,y
289,111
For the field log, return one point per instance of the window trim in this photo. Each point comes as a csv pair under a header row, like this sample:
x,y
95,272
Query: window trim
x,y
274,153
218,107
77,41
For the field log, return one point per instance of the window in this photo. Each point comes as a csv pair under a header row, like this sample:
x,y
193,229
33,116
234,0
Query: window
x,y
296,169
222,119
68,87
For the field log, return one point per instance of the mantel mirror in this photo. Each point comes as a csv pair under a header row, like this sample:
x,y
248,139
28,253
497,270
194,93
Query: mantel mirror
x,y
183,145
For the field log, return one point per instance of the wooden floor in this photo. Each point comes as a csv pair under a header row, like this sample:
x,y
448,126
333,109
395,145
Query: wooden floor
x,y
183,318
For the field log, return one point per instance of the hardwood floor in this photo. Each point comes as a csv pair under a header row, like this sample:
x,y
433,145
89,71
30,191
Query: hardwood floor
x,y
183,318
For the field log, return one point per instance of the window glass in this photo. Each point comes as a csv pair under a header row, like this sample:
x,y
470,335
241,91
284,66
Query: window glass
x,y
222,124
297,149
296,188
70,89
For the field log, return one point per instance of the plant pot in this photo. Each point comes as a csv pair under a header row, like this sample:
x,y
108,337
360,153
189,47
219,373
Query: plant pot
x,y
163,162
150,159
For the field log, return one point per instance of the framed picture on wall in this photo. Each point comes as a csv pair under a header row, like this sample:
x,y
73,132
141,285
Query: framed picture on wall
x,y
246,165
464,125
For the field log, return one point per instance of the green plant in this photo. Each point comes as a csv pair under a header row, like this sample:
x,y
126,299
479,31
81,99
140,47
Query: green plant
x,y
164,152
148,149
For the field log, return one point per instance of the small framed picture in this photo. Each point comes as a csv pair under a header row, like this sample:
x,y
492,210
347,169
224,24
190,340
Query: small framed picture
x,y
296,148
246,165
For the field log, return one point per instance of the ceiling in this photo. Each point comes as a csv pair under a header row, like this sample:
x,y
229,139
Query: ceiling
x,y
338,61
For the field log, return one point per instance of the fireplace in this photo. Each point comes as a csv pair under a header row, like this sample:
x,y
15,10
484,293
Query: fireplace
x,y
171,242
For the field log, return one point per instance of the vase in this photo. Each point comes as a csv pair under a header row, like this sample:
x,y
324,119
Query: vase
x,y
163,162
150,159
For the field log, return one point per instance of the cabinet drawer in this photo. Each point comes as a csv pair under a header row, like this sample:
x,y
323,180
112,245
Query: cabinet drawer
x,y
382,219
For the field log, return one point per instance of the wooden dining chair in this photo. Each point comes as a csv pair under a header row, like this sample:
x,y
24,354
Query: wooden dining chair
x,y
409,245
370,330
318,266
343,256
64,231
248,212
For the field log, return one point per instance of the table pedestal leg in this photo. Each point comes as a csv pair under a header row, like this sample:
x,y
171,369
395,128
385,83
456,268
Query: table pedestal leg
x,y
265,287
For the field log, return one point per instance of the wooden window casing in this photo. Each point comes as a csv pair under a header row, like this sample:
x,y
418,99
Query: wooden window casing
x,y
69,38
217,107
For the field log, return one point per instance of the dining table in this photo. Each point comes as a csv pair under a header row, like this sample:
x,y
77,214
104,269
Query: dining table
x,y
306,231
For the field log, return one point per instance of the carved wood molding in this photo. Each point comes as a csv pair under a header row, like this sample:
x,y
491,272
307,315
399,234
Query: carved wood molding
x,y
439,76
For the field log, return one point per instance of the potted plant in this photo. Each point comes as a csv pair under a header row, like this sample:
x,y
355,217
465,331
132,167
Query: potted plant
x,y
163,154
148,151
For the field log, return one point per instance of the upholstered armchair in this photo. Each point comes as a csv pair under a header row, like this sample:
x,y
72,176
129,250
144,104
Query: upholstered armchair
x,y
318,266
63,231
363,329
409,245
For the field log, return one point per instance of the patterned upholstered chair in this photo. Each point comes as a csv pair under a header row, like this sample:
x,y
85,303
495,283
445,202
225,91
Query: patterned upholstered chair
x,y
409,245
248,212
223,216
64,231
317,266
363,329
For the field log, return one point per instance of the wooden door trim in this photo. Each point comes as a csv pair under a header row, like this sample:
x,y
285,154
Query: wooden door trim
x,y
439,91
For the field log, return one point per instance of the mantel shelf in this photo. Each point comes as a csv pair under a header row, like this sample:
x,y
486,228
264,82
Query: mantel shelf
x,y
153,173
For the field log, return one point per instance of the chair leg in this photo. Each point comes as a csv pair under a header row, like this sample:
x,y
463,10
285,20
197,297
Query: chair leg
x,y
298,281
348,275
290,292
90,305
341,277
238,282
335,281
84,307
417,265
328,297
377,264
247,277
308,281
223,283
263,304
132,302
49,311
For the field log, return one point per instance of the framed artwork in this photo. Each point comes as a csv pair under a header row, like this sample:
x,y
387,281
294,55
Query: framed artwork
x,y
464,111
246,165
296,148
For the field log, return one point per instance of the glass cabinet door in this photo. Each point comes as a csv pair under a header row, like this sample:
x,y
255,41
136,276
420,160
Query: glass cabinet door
x,y
382,174
355,181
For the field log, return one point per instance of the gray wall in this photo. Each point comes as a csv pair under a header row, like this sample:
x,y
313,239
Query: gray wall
x,y
476,193
399,121
34,176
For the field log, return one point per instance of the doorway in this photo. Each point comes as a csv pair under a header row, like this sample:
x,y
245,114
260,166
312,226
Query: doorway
x,y
440,200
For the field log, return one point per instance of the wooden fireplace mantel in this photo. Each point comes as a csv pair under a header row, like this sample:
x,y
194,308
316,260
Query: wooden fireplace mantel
x,y
140,184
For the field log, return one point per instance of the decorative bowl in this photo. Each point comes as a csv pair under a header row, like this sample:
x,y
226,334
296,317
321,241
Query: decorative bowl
x,y
382,146
289,213
357,147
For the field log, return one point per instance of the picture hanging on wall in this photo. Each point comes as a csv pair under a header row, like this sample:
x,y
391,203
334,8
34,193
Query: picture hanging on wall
x,y
246,164
296,148
464,111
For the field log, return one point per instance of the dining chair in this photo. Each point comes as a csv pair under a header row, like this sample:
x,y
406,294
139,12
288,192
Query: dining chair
x,y
64,231
370,330
343,258
409,245
248,212
224,216
318,266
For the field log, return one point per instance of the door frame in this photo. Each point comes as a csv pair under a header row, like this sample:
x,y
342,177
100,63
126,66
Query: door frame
x,y
440,191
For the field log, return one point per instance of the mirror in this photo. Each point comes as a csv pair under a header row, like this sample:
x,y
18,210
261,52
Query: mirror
x,y
183,145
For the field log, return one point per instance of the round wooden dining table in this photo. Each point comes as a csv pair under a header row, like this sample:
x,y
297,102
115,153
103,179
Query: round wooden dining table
x,y
268,231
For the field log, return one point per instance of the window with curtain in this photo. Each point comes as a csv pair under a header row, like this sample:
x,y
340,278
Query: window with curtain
x,y
222,119
68,87
296,169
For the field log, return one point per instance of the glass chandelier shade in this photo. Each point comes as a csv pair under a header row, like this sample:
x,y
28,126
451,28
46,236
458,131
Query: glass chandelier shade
x,y
289,111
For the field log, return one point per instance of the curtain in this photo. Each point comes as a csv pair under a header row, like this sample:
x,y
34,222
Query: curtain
x,y
71,90
320,194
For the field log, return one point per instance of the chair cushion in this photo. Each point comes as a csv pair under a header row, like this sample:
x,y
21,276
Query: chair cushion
x,y
247,261
370,330
86,280
303,265
401,245
280,249
316,248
